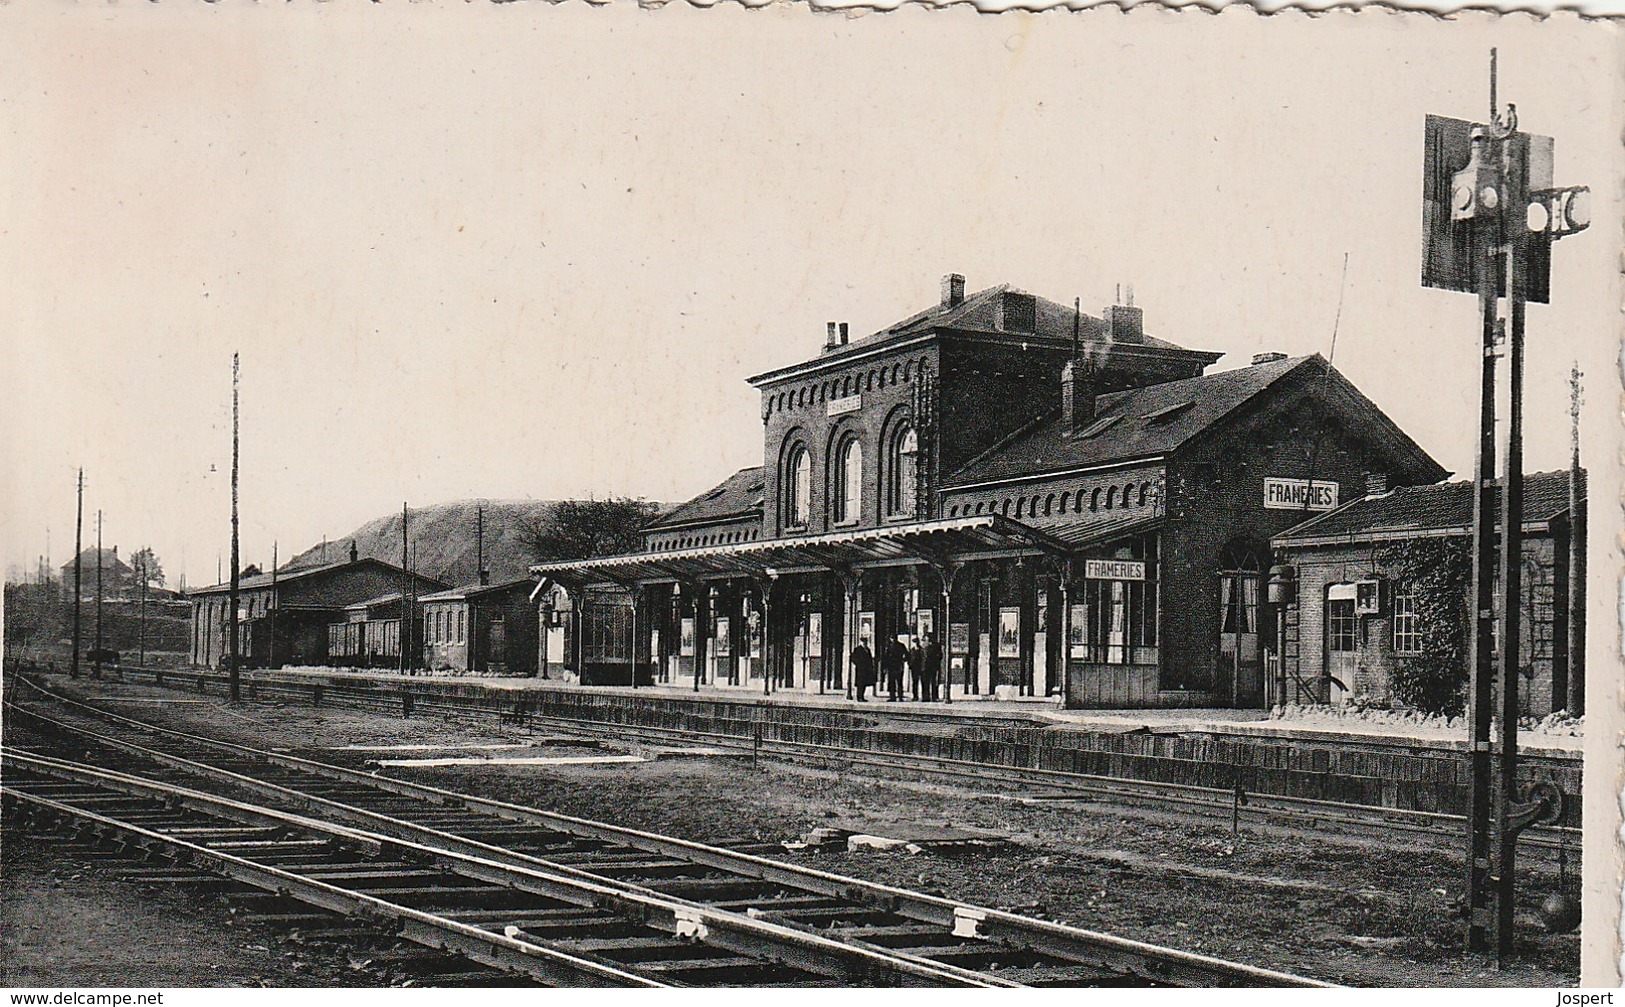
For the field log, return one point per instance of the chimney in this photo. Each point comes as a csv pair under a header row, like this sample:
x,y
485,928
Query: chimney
x,y
485,578
1077,395
1125,324
355,554
1267,358
1376,484
829,335
953,290
843,333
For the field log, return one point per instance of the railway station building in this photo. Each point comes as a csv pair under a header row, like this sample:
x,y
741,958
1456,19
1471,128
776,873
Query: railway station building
x,y
284,616
1071,507
481,628
1354,613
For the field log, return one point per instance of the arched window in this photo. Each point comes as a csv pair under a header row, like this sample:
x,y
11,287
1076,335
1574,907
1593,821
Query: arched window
x,y
1049,504
1021,503
797,487
1128,488
1111,497
901,491
1066,500
849,481
1145,493
1094,499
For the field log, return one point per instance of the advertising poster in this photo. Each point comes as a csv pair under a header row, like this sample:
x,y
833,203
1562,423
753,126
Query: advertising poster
x,y
685,645
1009,632
724,643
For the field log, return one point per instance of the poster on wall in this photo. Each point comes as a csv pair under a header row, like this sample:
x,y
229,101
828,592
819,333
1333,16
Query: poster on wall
x,y
866,628
1075,633
959,638
815,634
724,642
925,622
754,627
1009,632
685,643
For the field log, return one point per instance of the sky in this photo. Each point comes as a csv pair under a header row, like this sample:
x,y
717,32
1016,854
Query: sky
x,y
535,251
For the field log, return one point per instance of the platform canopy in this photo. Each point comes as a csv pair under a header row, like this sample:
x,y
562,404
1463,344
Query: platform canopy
x,y
938,543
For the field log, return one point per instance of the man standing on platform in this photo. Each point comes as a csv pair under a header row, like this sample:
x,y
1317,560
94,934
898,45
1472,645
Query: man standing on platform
x,y
930,668
916,669
892,657
863,668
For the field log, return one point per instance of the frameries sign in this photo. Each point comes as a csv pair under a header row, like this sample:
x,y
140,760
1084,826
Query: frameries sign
x,y
1113,569
1299,494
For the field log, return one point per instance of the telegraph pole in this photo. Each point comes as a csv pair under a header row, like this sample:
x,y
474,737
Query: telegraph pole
x,y
1490,215
1576,698
406,579
96,661
78,565
236,575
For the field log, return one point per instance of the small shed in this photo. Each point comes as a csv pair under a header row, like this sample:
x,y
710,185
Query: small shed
x,y
481,628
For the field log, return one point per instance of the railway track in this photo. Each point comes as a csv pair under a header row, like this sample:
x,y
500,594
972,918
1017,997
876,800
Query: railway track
x,y
1543,843
734,903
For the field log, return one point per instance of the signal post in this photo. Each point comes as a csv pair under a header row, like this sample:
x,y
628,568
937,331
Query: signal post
x,y
1490,216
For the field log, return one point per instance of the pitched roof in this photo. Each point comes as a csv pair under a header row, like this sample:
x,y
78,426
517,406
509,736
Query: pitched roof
x,y
1440,507
475,590
1159,419
739,494
1137,423
286,575
979,312
110,559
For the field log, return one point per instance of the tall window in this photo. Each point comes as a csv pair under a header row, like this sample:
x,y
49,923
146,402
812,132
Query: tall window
x,y
1407,625
849,475
798,488
1340,625
900,494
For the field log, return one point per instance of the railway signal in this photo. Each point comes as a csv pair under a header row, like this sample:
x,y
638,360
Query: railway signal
x,y
1490,215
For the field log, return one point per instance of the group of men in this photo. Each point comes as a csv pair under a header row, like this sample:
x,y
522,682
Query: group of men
x,y
922,657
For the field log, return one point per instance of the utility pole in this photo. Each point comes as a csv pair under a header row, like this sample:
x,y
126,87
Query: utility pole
x,y
96,660
1576,698
78,565
272,610
141,618
236,575
1490,215
406,580
479,544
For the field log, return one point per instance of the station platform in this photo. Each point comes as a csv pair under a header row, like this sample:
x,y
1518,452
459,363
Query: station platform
x,y
1033,711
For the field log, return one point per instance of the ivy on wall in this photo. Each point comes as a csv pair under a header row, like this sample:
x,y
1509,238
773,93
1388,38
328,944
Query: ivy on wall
x,y
1438,573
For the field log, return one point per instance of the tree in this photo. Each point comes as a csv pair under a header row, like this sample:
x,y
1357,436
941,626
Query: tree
x,y
145,568
1438,573
578,529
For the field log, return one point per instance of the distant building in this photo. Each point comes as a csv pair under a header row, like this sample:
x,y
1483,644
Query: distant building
x,y
370,635
118,580
481,628
1352,620
1069,505
284,615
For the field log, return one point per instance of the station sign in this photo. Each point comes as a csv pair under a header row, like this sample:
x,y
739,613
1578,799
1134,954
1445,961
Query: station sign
x,y
1299,494
1113,569
838,407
